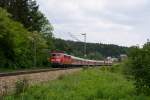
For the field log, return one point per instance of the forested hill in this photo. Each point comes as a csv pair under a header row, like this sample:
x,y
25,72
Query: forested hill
x,y
94,50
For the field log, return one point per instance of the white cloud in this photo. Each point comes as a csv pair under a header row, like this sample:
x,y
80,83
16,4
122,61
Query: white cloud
x,y
123,22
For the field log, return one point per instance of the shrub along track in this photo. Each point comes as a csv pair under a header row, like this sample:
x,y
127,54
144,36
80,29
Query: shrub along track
x,y
8,80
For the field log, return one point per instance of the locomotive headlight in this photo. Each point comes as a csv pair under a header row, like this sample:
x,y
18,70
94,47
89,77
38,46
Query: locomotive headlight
x,y
53,60
58,60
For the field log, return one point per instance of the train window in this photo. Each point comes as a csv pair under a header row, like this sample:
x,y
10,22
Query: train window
x,y
65,56
55,54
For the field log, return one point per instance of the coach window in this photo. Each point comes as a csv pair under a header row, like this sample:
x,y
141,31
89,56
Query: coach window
x,y
65,56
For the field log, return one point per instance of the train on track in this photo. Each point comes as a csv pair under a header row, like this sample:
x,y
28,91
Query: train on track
x,y
60,59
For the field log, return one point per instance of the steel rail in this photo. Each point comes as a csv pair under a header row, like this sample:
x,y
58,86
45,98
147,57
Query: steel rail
x,y
33,71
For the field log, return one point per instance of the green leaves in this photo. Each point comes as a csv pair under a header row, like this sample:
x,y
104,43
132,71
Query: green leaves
x,y
27,12
139,65
16,44
94,50
89,84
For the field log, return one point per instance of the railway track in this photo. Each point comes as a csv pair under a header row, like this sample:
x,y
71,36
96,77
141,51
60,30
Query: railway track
x,y
8,80
32,71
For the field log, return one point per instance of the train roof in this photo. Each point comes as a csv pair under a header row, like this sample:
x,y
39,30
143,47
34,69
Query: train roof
x,y
85,59
57,52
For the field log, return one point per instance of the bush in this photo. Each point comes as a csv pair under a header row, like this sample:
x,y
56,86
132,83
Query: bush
x,y
21,86
138,65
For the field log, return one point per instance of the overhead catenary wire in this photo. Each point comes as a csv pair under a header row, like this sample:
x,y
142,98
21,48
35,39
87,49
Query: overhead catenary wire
x,y
62,35
68,34
74,37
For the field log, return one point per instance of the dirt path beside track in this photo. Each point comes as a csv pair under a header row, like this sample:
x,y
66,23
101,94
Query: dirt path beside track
x,y
8,83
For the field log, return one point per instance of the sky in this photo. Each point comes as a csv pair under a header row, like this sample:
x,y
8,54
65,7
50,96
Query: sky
x,y
121,22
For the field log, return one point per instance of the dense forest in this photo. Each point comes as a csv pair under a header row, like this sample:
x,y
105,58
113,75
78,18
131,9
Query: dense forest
x,y
26,38
93,51
25,34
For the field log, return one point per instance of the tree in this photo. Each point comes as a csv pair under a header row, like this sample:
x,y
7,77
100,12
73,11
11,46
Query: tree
x,y
16,44
139,67
11,37
94,50
27,12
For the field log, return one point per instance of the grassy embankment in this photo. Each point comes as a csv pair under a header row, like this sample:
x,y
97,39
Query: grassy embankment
x,y
89,84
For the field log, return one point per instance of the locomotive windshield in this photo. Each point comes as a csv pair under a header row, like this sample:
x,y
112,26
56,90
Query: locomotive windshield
x,y
55,55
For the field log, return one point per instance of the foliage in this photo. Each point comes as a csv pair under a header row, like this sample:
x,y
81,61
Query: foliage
x,y
40,36
27,12
89,84
94,50
21,86
11,38
116,68
16,44
139,67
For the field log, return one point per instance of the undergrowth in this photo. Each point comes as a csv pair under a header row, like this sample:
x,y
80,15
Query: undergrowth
x,y
88,84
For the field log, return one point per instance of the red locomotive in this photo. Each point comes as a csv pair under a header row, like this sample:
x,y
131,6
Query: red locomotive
x,y
61,59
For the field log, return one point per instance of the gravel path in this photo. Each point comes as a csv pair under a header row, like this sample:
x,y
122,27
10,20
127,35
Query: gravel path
x,y
8,83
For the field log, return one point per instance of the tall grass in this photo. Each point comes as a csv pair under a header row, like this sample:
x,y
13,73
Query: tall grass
x,y
89,84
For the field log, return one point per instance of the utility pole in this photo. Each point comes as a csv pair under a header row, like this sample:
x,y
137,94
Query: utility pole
x,y
148,40
84,44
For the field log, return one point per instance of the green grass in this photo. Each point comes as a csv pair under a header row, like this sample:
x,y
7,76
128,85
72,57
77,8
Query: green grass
x,y
89,84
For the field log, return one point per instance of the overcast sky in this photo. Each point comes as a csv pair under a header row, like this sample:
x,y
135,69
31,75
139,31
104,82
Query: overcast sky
x,y
121,22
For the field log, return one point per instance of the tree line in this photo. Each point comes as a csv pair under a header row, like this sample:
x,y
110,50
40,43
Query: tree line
x,y
94,50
